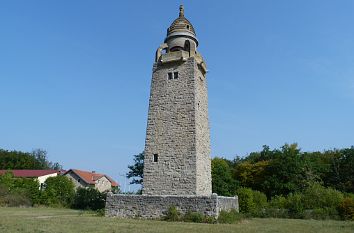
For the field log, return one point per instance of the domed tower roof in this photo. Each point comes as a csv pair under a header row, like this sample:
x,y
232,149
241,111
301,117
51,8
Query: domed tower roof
x,y
181,27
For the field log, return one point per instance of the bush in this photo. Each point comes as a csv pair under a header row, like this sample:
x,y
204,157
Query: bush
x,y
294,204
278,202
193,217
59,191
346,209
18,191
172,214
260,200
245,200
251,201
317,196
89,199
315,202
17,200
229,217
100,212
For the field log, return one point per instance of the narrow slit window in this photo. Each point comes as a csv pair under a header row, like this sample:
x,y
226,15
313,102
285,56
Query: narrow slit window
x,y
156,158
175,75
170,76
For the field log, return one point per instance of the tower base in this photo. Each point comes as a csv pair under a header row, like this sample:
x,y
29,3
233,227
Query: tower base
x,y
153,207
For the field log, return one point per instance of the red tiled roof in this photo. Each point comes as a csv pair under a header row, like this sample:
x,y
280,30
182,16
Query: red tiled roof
x,y
91,177
29,173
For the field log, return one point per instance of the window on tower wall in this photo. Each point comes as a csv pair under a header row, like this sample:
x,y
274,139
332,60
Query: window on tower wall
x,y
172,75
156,158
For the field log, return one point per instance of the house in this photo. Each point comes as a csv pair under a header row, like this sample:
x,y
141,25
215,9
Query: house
x,y
92,179
40,175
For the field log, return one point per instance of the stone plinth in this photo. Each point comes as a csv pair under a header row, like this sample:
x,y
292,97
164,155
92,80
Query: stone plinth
x,y
156,206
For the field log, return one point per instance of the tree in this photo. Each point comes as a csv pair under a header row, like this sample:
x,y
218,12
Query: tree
x,y
222,181
37,159
41,156
59,191
287,172
252,175
89,198
137,169
18,160
341,172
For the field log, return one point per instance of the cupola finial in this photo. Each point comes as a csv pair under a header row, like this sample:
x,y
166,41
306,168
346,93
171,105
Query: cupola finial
x,y
181,11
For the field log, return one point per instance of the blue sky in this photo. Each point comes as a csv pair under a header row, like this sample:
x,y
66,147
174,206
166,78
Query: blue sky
x,y
75,75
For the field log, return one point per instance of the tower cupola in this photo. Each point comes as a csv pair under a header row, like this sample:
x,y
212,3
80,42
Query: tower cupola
x,y
181,34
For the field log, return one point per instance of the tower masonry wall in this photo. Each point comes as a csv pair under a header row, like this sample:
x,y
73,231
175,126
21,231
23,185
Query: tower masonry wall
x,y
203,165
156,206
177,132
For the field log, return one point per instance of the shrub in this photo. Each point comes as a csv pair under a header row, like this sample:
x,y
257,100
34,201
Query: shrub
x,y
317,196
193,217
346,209
89,199
100,212
18,191
59,191
278,202
245,199
172,214
251,201
17,200
28,188
260,200
229,217
295,205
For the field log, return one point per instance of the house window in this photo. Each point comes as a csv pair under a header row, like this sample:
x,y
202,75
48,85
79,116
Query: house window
x,y
175,75
170,76
79,180
156,158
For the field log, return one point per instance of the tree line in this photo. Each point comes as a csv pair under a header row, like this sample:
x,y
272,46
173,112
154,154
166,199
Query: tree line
x,y
283,182
58,191
285,170
37,159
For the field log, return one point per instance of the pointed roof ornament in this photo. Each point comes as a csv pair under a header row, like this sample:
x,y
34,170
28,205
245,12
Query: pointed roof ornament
x,y
181,27
181,11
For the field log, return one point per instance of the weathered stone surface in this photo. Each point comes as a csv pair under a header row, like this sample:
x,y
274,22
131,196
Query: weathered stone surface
x,y
151,206
178,132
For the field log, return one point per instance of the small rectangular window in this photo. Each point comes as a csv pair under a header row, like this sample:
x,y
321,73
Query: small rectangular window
x,y
170,76
175,74
156,158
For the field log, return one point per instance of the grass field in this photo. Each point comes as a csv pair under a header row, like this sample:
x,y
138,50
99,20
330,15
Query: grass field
x,y
65,220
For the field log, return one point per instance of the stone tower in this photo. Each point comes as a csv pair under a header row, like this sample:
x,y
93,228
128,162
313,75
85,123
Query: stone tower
x,y
177,147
